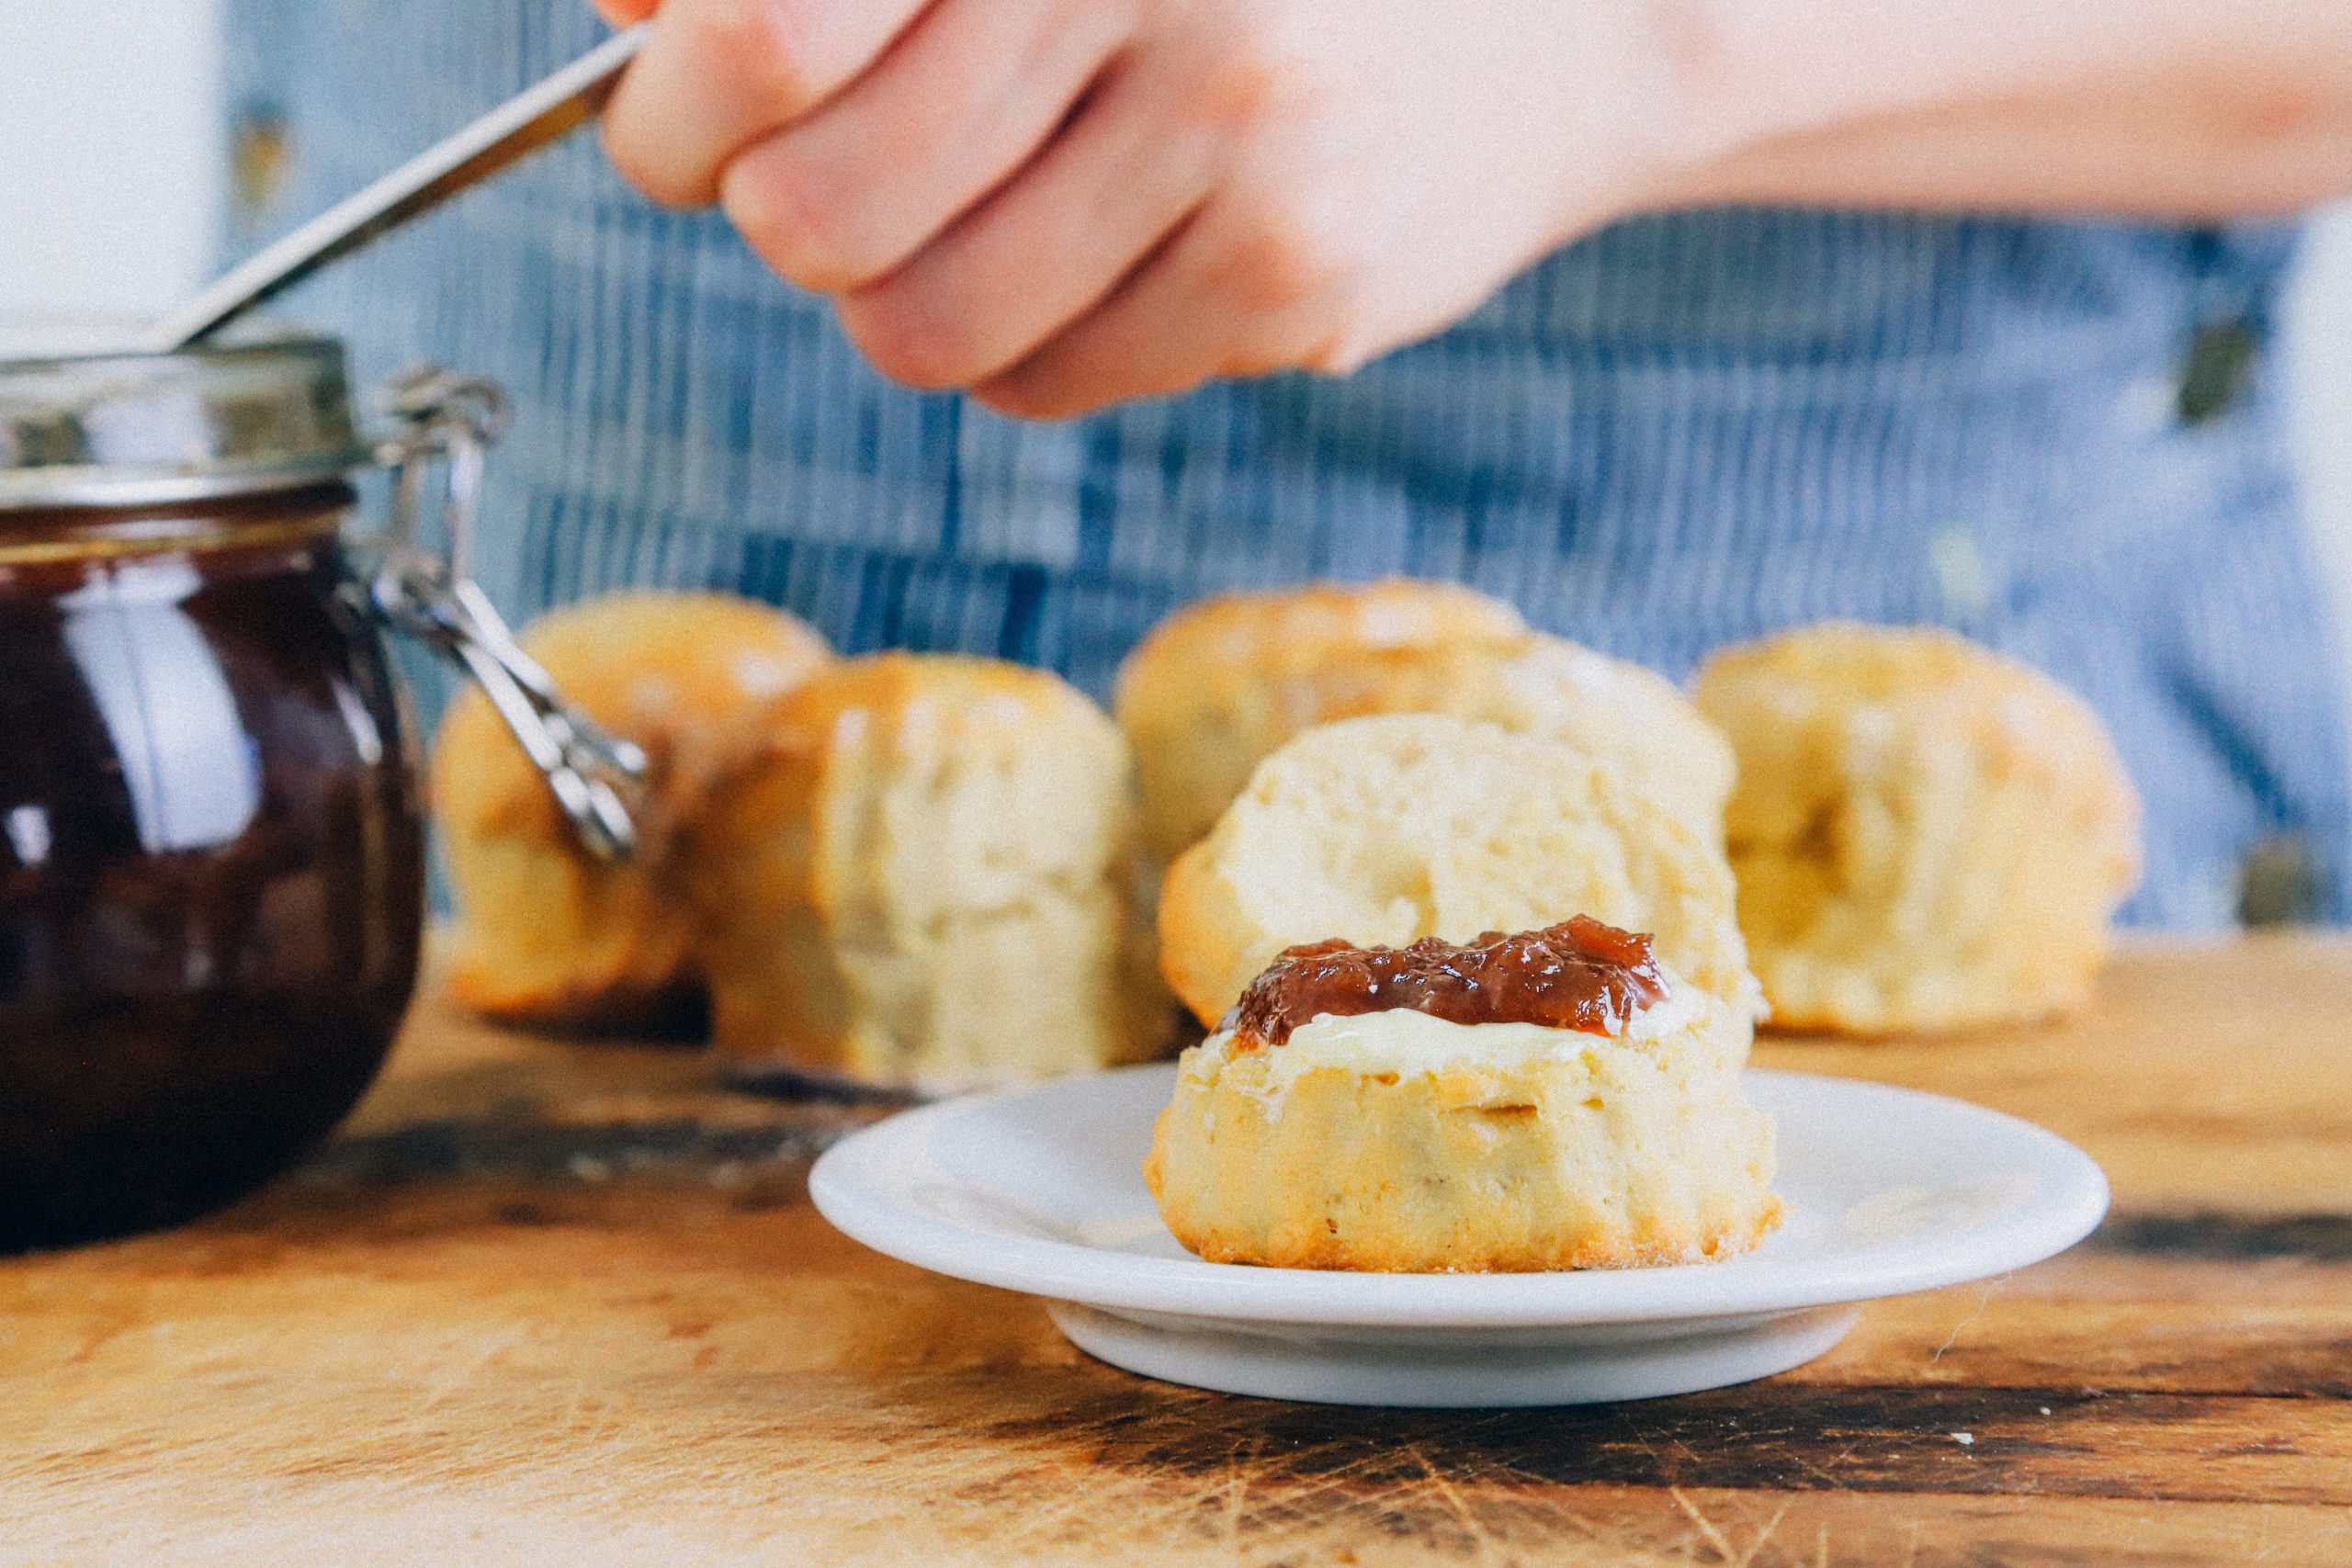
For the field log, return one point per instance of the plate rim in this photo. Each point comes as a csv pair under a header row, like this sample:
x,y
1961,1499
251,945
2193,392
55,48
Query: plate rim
x,y
1072,1270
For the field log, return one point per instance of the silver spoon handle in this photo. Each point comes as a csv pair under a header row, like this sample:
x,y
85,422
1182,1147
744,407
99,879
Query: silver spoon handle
x,y
512,131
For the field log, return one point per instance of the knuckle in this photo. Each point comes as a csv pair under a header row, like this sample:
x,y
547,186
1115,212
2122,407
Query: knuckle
x,y
797,221
1022,397
1258,78
1244,92
1341,353
1341,336
637,159
1318,331
906,340
1280,265
770,41
622,148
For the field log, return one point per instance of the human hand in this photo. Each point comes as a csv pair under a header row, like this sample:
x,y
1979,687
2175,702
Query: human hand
x,y
1061,203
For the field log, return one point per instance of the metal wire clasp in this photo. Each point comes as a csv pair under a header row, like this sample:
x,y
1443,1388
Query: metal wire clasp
x,y
446,425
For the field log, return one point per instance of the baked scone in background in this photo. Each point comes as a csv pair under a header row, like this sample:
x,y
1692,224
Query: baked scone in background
x,y
1394,1140
1221,683
1383,829
928,882
546,933
1928,834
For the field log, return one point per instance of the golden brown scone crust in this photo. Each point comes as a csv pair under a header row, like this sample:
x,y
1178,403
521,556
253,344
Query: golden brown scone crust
x,y
1929,835
928,881
548,934
1628,1155
1223,681
1387,829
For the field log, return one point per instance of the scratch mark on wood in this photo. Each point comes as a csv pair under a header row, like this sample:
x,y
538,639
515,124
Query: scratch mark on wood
x,y
1472,1526
1983,1301
1756,1546
1706,1526
445,1380
1239,1464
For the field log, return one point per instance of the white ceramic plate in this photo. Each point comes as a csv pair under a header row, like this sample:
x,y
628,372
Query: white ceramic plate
x,y
1888,1190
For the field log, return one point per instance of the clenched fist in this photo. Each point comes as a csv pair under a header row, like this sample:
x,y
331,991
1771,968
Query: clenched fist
x,y
1064,203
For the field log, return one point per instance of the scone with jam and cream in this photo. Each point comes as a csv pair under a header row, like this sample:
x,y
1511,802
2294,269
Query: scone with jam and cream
x,y
1556,1099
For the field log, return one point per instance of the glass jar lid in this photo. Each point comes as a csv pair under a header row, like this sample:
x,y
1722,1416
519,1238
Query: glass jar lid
x,y
156,429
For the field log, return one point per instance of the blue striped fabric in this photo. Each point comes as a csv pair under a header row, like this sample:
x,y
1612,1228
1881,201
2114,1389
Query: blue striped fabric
x,y
1686,430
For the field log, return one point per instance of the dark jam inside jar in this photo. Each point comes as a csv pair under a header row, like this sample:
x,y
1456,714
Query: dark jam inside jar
x,y
1579,975
211,885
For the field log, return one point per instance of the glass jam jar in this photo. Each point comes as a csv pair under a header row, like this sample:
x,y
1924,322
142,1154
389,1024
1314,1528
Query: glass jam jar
x,y
212,843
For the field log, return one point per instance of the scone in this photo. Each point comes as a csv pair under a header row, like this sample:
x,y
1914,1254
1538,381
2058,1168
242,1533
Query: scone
x,y
1221,683
1928,835
927,882
1555,1099
547,933
1385,829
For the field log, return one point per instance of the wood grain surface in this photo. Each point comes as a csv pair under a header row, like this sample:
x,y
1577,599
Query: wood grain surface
x,y
553,1304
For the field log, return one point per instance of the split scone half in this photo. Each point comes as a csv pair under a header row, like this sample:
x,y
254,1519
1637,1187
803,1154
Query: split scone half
x,y
1223,683
1928,834
547,933
1553,1099
927,882
1382,830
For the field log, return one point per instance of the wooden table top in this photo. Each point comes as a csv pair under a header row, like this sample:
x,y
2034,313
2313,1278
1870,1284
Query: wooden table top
x,y
559,1304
